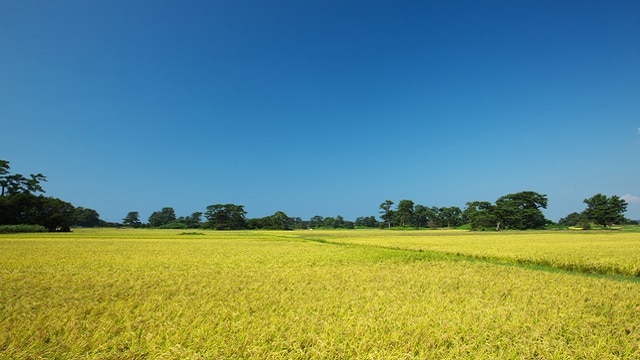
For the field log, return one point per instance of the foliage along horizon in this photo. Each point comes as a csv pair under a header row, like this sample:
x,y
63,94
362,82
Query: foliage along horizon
x,y
19,205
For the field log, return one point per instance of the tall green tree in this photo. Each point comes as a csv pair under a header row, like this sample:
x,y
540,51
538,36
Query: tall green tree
x,y
193,220
4,169
25,208
85,217
366,221
316,221
572,219
449,216
12,184
329,222
521,210
20,205
404,213
162,217
132,219
604,210
480,214
280,221
55,214
421,216
226,217
386,213
20,208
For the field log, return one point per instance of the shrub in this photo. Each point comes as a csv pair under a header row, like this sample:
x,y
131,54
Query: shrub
x,y
12,229
174,225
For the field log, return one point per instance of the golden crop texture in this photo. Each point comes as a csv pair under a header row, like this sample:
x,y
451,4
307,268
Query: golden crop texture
x,y
163,294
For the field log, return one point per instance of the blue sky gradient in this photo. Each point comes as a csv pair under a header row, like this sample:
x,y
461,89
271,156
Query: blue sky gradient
x,y
321,107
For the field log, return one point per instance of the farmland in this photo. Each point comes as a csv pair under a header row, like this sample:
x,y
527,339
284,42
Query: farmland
x,y
111,294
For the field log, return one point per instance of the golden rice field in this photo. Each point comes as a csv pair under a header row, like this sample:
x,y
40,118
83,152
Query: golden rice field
x,y
362,294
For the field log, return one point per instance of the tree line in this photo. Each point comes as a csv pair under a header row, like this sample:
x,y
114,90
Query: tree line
x,y
233,217
22,203
518,211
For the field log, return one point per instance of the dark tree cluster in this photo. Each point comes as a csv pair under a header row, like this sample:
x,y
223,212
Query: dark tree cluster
x,y
513,211
278,221
164,219
519,211
601,210
226,217
407,214
233,217
19,204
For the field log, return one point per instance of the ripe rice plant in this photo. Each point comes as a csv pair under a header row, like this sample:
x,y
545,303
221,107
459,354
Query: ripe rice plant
x,y
130,294
604,252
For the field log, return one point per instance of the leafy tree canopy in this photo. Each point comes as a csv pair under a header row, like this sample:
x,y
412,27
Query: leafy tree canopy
x,y
226,217
132,219
162,217
12,184
604,210
86,217
521,210
20,206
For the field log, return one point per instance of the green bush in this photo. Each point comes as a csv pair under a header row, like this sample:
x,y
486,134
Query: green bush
x,y
552,226
464,227
174,225
12,229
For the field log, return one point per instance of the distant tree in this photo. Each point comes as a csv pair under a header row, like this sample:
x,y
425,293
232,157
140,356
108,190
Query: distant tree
x,y
132,219
162,217
386,214
19,204
17,183
329,222
253,223
604,210
366,221
4,167
4,172
316,221
480,215
85,217
521,210
404,213
449,216
298,223
55,214
280,221
193,220
19,209
572,219
25,208
348,225
421,216
226,217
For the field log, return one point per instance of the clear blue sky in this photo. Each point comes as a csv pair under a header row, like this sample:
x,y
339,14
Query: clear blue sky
x,y
321,107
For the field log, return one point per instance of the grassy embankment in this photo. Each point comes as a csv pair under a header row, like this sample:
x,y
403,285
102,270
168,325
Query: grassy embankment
x,y
112,294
